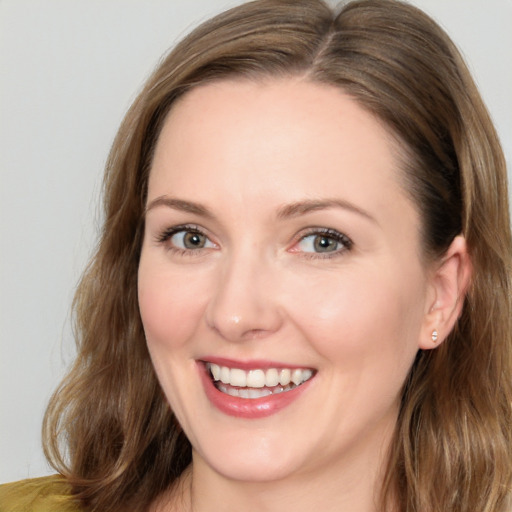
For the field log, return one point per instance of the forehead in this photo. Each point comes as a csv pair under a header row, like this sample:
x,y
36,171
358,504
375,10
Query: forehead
x,y
274,142
246,124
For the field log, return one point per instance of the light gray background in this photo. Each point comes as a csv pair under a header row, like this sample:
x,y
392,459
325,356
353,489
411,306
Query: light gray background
x,y
68,72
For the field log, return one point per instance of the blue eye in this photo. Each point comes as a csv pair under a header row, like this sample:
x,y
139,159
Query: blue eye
x,y
324,242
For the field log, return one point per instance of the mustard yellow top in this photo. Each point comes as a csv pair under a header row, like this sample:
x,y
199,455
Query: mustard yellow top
x,y
46,494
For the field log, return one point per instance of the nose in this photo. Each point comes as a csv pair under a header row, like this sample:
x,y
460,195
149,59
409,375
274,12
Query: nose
x,y
244,304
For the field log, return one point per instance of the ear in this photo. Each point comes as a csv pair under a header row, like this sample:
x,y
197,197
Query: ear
x,y
447,289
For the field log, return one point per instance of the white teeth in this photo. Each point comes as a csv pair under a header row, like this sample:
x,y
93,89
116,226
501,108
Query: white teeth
x,y
306,375
285,377
215,369
297,377
255,379
258,393
272,377
256,383
232,391
249,393
243,393
225,375
238,378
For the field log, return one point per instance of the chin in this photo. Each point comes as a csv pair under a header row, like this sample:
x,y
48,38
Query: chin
x,y
261,461
253,471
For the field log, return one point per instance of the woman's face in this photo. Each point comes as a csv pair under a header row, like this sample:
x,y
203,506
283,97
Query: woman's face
x,y
280,245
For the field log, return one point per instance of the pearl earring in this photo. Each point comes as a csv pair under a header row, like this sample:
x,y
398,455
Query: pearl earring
x,y
435,335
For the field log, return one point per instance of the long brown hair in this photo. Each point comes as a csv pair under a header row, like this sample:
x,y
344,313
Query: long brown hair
x,y
108,427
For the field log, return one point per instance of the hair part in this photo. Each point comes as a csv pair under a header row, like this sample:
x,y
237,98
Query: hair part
x,y
452,445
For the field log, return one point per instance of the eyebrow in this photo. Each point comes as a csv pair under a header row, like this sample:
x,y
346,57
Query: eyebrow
x,y
180,205
310,205
287,211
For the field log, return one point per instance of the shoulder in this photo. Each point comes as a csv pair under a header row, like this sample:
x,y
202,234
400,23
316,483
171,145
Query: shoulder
x,y
46,494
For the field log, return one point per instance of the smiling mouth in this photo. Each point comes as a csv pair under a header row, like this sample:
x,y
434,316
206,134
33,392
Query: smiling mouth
x,y
257,383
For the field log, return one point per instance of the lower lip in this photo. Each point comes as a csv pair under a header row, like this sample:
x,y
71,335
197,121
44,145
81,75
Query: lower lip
x,y
249,408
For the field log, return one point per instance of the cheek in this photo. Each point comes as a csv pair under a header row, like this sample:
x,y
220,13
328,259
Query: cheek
x,y
170,308
170,313
362,318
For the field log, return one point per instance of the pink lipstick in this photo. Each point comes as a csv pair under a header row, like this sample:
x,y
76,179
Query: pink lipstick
x,y
253,389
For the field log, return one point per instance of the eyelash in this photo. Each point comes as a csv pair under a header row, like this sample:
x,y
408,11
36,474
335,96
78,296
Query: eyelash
x,y
329,233
332,234
168,233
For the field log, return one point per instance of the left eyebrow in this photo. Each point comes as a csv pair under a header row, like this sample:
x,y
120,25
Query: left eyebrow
x,y
310,205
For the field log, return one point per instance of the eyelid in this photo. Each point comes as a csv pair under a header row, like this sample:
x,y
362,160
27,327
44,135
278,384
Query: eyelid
x,y
166,234
346,241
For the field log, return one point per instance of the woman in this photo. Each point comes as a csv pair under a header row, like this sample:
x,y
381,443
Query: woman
x,y
302,291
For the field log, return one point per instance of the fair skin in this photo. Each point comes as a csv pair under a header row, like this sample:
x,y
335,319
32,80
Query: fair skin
x,y
278,237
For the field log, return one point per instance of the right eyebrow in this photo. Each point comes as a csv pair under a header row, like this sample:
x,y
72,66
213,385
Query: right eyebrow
x,y
180,205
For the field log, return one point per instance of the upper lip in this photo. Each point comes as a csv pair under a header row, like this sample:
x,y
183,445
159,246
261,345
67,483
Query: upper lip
x,y
252,364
